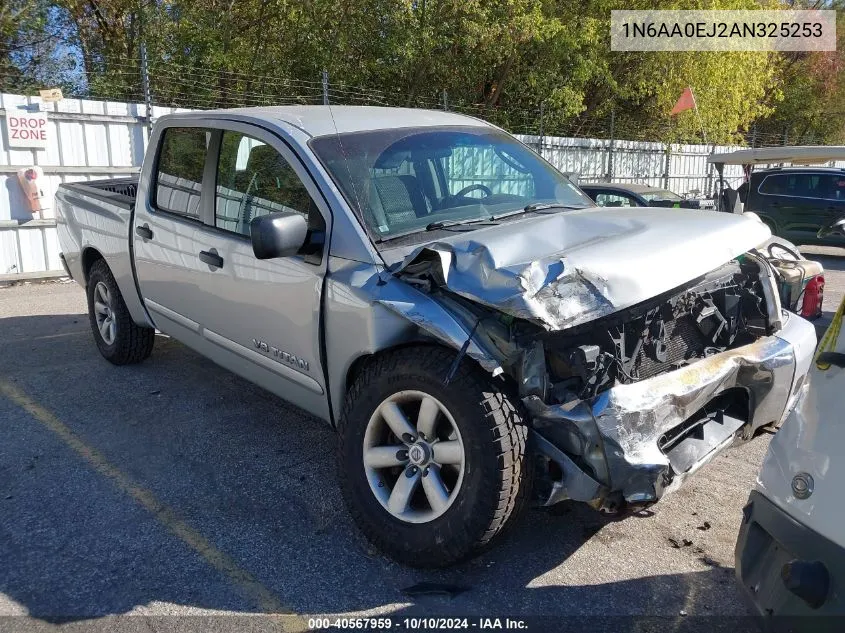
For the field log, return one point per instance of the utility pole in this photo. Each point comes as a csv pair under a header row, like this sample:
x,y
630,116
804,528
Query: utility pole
x,y
540,139
709,187
610,146
325,87
145,70
145,82
445,99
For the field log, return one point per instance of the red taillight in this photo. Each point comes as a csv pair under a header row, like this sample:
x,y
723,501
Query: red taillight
x,y
811,307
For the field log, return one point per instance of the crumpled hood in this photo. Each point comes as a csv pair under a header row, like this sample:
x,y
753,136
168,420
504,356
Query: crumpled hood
x,y
568,268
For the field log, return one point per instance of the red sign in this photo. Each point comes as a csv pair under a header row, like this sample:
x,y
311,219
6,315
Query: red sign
x,y
26,129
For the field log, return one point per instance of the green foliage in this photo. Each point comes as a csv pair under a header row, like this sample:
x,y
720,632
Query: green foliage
x,y
498,59
810,96
22,32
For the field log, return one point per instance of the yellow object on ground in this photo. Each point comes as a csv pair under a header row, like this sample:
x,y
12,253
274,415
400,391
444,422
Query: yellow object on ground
x,y
828,342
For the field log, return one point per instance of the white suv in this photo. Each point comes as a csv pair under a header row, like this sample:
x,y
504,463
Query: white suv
x,y
790,557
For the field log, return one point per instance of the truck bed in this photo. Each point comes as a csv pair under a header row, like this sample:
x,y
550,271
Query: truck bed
x,y
94,218
119,191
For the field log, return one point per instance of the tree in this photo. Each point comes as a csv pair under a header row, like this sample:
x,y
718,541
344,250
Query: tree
x,y
23,31
808,97
498,59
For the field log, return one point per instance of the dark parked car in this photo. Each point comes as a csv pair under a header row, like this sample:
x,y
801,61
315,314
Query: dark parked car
x,y
630,194
798,201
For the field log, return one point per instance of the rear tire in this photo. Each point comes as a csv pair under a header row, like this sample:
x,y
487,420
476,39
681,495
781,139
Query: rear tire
x,y
474,454
120,340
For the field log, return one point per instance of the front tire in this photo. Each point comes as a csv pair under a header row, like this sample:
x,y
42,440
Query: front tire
x,y
431,473
120,340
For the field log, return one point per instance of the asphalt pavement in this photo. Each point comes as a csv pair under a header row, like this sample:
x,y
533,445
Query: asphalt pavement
x,y
174,488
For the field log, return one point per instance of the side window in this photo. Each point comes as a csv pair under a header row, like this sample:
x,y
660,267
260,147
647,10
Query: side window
x,y
803,185
253,179
181,161
614,200
827,186
774,185
837,187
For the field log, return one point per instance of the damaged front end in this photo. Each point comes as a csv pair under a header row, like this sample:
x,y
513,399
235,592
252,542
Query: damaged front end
x,y
625,403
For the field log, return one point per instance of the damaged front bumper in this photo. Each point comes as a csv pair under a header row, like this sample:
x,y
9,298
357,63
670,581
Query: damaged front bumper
x,y
633,443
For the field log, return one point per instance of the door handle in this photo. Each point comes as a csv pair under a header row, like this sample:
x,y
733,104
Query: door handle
x,y
144,232
212,259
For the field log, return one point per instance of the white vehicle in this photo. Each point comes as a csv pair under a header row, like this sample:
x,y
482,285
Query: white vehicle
x,y
790,557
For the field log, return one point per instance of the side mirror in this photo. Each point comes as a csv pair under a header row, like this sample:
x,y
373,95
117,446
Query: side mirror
x,y
837,227
278,234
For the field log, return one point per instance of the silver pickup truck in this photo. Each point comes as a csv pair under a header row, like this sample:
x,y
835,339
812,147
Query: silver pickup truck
x,y
477,331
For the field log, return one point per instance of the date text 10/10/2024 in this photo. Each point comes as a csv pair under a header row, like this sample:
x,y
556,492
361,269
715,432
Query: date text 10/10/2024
x,y
418,624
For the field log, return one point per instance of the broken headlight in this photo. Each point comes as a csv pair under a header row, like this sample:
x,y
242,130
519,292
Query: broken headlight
x,y
722,310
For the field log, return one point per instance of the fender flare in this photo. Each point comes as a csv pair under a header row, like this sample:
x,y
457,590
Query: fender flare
x,y
437,321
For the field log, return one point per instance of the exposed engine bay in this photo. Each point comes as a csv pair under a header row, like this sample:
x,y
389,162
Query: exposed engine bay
x,y
724,310
721,310
634,370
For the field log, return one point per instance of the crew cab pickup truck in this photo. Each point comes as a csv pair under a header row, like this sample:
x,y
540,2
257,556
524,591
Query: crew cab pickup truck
x,y
477,331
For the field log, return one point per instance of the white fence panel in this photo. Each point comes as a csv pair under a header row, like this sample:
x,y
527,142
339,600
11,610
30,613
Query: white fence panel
x,y
9,262
640,162
87,140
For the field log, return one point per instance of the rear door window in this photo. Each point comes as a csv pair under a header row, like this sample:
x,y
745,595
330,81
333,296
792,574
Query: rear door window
x,y
827,186
181,161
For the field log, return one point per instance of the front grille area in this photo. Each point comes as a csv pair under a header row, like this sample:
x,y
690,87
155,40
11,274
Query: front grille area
x,y
693,439
723,310
683,341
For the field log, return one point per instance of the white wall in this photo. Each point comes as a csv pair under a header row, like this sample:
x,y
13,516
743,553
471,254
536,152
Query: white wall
x,y
87,140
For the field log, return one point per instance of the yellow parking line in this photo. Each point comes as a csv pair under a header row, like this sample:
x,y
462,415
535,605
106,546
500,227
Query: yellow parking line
x,y
249,586
62,335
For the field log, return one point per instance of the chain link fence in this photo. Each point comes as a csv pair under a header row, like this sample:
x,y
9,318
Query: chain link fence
x,y
610,147
167,84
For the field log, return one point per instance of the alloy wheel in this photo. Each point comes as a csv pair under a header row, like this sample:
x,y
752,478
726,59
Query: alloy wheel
x,y
415,469
104,313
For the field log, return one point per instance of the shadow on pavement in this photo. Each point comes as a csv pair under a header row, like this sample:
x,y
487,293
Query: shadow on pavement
x,y
254,476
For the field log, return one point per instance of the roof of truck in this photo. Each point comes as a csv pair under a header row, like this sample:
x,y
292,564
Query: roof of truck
x,y
319,120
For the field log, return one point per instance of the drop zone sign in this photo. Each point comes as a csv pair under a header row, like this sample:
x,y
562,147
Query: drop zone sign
x,y
26,129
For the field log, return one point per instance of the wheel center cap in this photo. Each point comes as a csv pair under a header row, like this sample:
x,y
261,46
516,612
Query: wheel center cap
x,y
419,454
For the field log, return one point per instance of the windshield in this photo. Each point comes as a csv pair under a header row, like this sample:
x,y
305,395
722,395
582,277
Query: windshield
x,y
660,194
401,181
